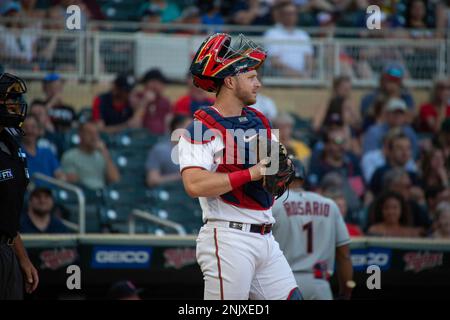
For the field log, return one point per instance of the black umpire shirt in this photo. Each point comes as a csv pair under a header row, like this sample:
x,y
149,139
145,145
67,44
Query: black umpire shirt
x,y
13,182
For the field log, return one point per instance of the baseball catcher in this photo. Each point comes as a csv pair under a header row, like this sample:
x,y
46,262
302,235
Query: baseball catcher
x,y
232,161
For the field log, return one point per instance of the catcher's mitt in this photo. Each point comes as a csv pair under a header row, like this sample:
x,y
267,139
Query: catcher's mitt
x,y
277,183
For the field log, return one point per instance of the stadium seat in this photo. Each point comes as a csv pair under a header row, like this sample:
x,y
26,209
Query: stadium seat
x,y
170,201
135,138
69,201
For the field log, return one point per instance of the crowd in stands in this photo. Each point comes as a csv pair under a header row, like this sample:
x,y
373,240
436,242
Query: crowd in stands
x,y
385,160
408,14
26,45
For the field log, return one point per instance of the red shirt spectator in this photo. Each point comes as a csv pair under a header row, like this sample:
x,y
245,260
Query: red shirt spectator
x,y
192,101
354,230
429,113
157,110
433,113
156,114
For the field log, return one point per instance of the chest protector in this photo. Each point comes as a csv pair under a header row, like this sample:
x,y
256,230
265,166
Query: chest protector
x,y
238,136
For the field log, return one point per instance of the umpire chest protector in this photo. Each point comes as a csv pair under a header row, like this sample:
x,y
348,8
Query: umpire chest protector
x,y
251,195
13,183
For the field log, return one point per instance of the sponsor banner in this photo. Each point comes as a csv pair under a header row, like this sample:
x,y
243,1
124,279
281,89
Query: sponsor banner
x,y
121,257
362,258
417,261
57,258
179,257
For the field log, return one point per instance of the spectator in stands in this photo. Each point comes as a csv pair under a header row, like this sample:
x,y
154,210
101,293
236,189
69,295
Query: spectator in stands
x,y
433,169
375,114
398,155
39,159
340,111
111,110
89,164
210,13
61,114
334,158
159,165
290,50
442,225
154,114
442,18
338,196
190,16
342,89
434,196
40,214
252,12
18,46
398,180
164,11
40,218
395,116
48,138
124,290
194,99
29,11
335,181
416,19
433,113
390,86
390,217
375,159
284,122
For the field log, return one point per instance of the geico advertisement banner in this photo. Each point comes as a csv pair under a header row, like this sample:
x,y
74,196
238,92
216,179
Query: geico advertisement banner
x,y
121,257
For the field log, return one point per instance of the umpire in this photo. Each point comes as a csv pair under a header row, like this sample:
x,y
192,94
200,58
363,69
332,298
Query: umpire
x,y
15,266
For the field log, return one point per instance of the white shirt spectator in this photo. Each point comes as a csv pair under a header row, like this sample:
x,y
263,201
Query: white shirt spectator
x,y
290,46
266,105
17,46
375,159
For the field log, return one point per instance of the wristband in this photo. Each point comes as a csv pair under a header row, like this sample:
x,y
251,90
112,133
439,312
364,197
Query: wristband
x,y
238,178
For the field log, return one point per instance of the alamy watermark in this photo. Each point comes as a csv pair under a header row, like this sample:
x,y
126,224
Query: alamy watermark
x,y
373,21
73,17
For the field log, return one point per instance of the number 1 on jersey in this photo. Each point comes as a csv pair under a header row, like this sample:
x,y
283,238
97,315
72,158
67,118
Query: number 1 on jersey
x,y
308,227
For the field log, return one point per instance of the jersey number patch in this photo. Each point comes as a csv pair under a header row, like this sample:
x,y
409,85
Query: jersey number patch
x,y
308,227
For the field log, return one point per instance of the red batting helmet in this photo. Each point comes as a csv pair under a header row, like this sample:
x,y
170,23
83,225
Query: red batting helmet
x,y
217,58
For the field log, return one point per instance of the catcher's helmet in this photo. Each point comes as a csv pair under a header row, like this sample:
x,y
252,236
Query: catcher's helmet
x,y
299,169
13,107
217,58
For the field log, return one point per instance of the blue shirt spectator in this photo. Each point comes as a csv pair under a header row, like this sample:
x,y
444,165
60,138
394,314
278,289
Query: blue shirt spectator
x,y
334,158
39,217
43,161
390,86
395,118
39,159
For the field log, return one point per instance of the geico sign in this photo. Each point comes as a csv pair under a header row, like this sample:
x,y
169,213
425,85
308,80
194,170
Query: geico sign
x,y
378,258
111,256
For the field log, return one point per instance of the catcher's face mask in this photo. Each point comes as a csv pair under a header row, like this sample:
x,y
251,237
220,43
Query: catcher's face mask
x,y
220,56
13,108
